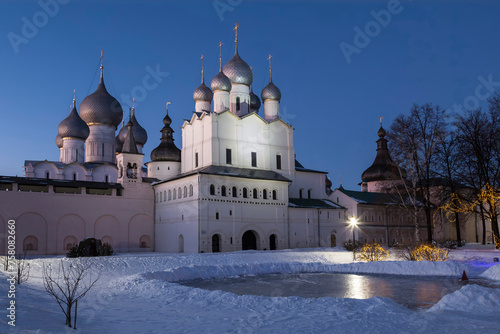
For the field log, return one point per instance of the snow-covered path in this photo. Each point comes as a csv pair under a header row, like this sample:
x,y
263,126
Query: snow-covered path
x,y
136,295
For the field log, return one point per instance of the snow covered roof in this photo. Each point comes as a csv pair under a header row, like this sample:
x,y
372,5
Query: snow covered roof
x,y
248,173
313,203
60,183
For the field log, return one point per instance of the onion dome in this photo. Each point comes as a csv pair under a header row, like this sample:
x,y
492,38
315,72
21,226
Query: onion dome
x,y
101,107
383,168
254,101
203,93
73,126
166,151
271,92
238,71
221,82
59,141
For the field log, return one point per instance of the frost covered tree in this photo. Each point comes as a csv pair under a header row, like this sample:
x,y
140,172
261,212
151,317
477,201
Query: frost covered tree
x,y
68,284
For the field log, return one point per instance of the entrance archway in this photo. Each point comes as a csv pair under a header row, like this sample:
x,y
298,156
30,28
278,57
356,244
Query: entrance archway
x,y
181,243
249,240
215,243
333,240
272,242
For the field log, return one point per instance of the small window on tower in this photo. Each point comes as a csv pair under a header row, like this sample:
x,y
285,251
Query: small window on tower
x,y
196,159
102,149
74,177
278,161
254,159
228,156
238,104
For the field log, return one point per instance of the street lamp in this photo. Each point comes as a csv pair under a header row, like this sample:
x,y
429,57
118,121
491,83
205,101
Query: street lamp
x,y
353,221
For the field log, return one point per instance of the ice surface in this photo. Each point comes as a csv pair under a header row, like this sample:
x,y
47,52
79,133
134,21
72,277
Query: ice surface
x,y
129,298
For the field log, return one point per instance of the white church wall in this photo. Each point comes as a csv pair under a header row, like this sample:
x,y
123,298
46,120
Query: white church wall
x,y
100,172
46,170
74,171
308,185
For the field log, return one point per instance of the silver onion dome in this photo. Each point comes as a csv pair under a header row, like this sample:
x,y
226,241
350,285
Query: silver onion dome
x,y
203,93
271,92
221,82
73,126
254,101
238,71
59,141
101,107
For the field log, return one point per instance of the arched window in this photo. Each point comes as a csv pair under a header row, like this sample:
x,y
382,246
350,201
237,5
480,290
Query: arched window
x,y
238,103
179,192
74,177
264,194
255,193
169,194
144,242
235,192
185,191
174,194
300,193
275,195
161,196
47,174
30,243
309,193
223,191
165,195
190,190
245,193
212,190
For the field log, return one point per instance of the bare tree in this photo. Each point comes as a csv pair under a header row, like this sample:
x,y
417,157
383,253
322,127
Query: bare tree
x,y
478,135
414,139
23,268
68,284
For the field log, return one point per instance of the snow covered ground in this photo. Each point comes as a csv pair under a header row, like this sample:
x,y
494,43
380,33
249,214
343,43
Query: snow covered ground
x,y
137,293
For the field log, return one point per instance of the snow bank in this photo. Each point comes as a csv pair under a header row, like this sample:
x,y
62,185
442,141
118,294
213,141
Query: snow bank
x,y
424,268
470,298
492,273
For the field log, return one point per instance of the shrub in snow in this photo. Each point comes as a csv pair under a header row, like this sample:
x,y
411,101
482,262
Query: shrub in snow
x,y
91,247
422,252
351,246
372,252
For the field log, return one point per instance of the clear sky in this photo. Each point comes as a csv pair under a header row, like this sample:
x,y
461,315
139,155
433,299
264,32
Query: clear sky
x,y
335,81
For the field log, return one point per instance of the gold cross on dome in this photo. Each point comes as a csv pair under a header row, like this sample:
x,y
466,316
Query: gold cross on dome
x,y
236,26
381,121
102,54
167,106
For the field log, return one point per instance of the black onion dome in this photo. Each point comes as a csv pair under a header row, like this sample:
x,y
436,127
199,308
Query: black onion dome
x,y
101,107
166,151
140,135
238,71
271,92
221,82
254,101
73,126
383,168
59,141
203,93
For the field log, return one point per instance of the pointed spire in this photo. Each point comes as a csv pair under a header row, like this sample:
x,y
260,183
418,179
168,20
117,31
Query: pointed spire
x,y
133,106
129,145
102,67
236,26
270,74
220,56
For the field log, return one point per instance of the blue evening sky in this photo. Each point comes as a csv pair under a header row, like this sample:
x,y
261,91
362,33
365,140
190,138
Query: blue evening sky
x,y
440,52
